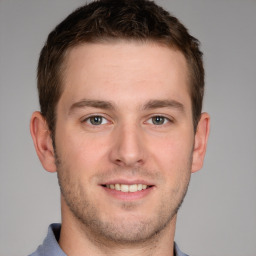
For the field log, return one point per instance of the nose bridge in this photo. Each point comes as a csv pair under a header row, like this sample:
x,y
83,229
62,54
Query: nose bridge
x,y
128,149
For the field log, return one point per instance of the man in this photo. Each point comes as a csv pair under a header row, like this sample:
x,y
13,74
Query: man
x,y
120,87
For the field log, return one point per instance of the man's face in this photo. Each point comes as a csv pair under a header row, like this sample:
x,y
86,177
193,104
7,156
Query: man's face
x,y
124,123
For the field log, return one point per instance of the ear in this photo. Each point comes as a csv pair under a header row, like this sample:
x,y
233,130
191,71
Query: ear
x,y
200,144
42,141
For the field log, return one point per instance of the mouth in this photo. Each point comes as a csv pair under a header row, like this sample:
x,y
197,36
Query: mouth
x,y
127,188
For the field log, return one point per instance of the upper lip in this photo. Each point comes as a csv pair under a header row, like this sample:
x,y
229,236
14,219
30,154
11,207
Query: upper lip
x,y
128,182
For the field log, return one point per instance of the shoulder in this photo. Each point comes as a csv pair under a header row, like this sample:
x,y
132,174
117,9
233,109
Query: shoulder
x,y
50,246
177,251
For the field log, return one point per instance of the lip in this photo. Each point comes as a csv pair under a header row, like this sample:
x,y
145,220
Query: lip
x,y
128,182
128,196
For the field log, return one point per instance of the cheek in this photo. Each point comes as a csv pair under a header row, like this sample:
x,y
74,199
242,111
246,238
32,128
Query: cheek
x,y
172,157
79,151
173,151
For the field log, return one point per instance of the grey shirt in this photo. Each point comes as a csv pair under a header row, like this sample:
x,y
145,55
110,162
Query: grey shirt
x,y
50,246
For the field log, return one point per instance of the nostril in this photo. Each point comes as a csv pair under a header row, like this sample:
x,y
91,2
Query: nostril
x,y
119,162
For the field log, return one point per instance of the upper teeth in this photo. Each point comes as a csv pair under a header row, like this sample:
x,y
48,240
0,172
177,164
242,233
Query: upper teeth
x,y
127,188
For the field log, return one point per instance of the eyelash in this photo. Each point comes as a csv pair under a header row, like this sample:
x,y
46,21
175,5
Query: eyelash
x,y
165,120
87,120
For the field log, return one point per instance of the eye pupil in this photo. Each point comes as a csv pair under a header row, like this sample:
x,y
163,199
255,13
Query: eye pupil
x,y
96,120
157,120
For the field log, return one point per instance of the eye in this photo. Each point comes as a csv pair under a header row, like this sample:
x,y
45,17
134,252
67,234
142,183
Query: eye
x,y
158,120
96,120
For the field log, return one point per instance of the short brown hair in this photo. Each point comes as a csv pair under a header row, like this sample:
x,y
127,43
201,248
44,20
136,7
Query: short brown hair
x,y
104,20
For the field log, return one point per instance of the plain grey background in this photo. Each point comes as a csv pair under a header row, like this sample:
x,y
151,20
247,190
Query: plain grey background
x,y
218,216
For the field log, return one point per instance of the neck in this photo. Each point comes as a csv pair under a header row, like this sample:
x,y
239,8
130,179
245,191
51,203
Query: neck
x,y
77,240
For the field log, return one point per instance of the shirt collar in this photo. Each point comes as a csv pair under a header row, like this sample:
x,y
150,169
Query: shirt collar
x,y
50,245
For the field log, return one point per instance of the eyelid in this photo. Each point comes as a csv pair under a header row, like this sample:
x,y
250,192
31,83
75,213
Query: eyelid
x,y
103,115
87,117
103,119
168,119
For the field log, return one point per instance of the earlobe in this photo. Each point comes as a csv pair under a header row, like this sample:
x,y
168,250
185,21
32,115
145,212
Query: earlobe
x,y
200,144
42,141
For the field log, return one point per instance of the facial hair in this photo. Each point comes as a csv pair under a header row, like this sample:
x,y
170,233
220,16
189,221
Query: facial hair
x,y
121,231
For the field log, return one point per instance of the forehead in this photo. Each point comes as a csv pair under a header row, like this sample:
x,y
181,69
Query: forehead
x,y
117,68
121,52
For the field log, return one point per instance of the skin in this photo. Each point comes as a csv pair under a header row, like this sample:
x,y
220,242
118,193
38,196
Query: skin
x,y
128,86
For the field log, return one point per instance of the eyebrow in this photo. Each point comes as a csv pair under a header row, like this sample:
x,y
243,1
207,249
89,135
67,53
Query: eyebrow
x,y
91,103
152,104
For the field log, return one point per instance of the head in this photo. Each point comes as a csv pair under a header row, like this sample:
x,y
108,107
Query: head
x,y
121,86
114,20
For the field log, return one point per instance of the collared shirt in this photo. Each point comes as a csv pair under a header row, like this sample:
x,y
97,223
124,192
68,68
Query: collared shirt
x,y
50,246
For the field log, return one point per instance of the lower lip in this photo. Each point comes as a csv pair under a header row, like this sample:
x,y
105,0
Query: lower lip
x,y
128,196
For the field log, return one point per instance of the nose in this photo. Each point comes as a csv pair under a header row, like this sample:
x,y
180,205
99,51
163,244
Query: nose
x,y
128,147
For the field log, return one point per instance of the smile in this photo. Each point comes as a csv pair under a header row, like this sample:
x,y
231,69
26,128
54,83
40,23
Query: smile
x,y
127,188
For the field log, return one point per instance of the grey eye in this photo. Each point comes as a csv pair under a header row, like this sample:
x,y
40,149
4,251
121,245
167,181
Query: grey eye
x,y
158,120
95,120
